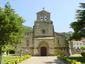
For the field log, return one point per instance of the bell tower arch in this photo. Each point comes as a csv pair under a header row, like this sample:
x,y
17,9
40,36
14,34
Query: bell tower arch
x,y
43,16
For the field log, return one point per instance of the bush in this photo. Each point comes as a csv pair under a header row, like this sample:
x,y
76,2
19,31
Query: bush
x,y
76,62
83,54
10,62
69,60
83,47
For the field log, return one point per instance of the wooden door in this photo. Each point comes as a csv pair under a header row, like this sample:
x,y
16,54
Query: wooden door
x,y
43,51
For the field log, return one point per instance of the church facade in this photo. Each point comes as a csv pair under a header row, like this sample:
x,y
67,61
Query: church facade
x,y
43,41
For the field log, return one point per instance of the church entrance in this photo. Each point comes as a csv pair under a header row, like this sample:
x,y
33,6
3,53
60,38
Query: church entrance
x,y
43,51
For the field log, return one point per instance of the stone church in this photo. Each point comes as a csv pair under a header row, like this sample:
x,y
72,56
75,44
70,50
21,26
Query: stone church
x,y
43,41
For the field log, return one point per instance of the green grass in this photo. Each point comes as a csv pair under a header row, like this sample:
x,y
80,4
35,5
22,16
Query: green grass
x,y
8,58
80,59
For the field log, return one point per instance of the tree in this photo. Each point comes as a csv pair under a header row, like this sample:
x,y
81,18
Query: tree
x,y
67,34
83,52
27,29
83,47
8,47
79,25
11,28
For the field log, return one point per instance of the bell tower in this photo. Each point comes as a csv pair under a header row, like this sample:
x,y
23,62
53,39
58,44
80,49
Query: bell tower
x,y
43,16
43,26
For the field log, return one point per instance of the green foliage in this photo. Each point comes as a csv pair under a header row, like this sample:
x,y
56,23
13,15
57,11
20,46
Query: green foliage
x,y
79,25
83,54
78,59
11,62
13,47
23,58
8,47
11,28
67,34
69,61
83,47
9,58
27,29
66,59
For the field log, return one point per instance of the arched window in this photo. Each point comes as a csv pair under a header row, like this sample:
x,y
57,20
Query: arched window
x,y
41,18
45,18
27,42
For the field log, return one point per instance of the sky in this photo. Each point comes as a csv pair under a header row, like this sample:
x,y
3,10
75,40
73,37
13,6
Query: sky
x,y
62,11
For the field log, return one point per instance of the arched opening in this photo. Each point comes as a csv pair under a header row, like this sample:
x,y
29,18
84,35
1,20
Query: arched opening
x,y
43,48
43,51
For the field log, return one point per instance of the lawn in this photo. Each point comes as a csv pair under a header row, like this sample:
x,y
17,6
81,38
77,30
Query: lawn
x,y
80,59
8,58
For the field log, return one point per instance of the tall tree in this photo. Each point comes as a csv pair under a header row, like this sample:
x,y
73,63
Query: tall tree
x,y
11,28
67,34
79,25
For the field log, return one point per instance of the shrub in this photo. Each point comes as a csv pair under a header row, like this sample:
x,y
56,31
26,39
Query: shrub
x,y
76,62
83,47
69,60
83,54
18,60
10,62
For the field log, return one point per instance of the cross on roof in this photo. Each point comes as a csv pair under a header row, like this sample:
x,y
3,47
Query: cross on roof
x,y
43,8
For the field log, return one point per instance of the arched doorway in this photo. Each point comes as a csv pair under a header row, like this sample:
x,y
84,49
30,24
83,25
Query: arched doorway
x,y
43,51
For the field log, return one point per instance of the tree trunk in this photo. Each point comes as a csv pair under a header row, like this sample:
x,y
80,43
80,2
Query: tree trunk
x,y
0,56
20,53
7,52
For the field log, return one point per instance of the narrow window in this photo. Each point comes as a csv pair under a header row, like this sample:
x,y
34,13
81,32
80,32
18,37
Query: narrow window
x,y
27,42
45,18
58,41
41,18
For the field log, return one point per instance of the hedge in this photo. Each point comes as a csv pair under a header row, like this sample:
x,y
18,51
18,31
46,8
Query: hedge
x,y
83,54
19,60
69,60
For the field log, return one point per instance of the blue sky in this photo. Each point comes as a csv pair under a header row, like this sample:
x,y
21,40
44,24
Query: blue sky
x,y
62,11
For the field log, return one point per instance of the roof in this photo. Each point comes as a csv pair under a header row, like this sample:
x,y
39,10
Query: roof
x,y
60,34
77,41
43,11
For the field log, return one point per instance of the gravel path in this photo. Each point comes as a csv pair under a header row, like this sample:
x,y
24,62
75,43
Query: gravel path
x,y
43,60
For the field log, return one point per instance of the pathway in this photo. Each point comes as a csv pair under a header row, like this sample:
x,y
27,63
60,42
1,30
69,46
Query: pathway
x,y
43,60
